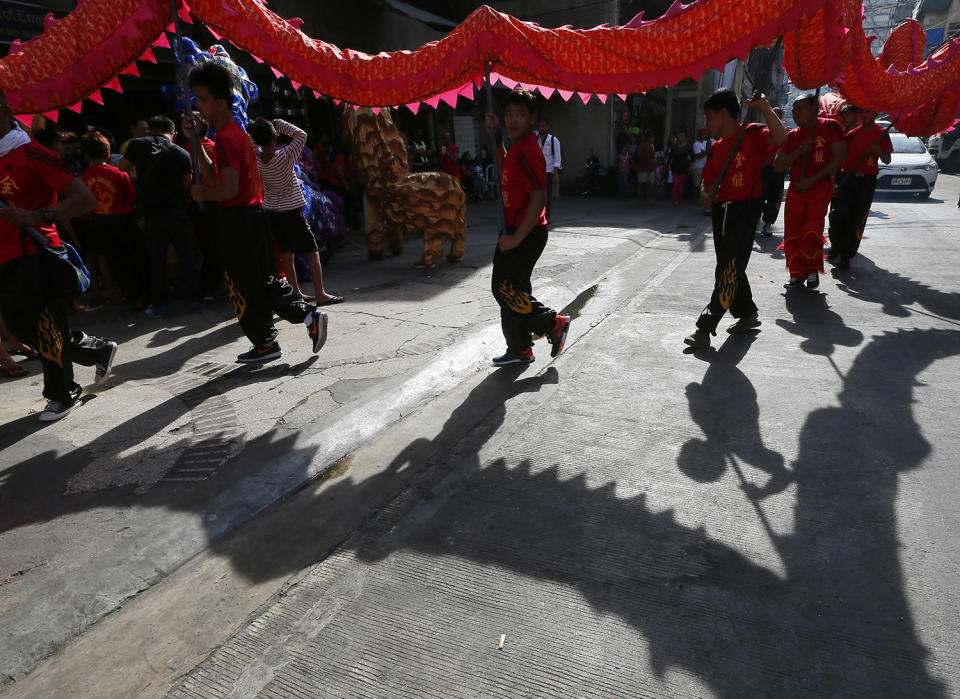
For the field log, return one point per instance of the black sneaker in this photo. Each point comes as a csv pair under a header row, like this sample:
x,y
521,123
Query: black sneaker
x,y
107,353
843,262
745,324
261,354
558,335
318,329
794,283
524,357
813,281
55,410
699,339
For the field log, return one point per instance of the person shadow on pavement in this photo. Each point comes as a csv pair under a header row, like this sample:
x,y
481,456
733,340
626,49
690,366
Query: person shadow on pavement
x,y
836,622
724,405
822,328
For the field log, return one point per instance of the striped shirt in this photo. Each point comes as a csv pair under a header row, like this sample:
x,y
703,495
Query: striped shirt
x,y
281,190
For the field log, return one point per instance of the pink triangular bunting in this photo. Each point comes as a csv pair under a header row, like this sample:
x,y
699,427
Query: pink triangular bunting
x,y
450,97
414,107
97,97
584,96
565,95
276,72
52,116
162,41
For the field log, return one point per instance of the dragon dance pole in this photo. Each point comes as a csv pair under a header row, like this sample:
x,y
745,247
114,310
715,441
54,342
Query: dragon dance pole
x,y
813,123
494,151
184,81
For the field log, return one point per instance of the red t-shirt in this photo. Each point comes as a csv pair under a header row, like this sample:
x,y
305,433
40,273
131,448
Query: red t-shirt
x,y
858,140
113,189
825,134
742,180
450,164
524,170
30,177
235,150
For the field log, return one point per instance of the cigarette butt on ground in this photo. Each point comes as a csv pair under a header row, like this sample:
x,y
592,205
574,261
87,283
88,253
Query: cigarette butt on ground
x,y
503,637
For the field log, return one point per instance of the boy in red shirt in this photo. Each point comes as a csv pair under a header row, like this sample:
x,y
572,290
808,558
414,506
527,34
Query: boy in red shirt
x,y
735,207
812,159
866,144
523,182
244,237
113,221
37,189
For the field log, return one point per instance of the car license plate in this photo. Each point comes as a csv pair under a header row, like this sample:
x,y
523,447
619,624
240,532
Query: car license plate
x,y
900,181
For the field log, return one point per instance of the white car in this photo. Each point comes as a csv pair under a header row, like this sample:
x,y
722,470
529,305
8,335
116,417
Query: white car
x,y
912,170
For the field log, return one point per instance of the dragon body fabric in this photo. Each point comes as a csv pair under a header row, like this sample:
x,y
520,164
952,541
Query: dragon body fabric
x,y
395,201
824,45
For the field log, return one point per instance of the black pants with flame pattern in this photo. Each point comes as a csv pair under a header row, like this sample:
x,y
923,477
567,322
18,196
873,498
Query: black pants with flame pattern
x,y
733,227
37,316
521,315
251,275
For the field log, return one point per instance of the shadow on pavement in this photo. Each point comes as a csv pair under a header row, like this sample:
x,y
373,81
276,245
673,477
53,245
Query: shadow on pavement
x,y
324,521
894,292
38,489
822,329
837,622
733,433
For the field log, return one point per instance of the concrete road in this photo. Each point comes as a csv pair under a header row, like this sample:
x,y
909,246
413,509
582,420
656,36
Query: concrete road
x,y
183,445
769,517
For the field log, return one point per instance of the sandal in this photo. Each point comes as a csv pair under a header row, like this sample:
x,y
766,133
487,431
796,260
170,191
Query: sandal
x,y
332,301
15,373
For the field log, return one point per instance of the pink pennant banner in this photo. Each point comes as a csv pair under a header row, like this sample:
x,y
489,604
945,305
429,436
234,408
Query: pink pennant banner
x,y
162,41
52,116
276,72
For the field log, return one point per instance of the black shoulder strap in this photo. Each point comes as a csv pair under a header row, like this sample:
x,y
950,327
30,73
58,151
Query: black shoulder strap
x,y
726,164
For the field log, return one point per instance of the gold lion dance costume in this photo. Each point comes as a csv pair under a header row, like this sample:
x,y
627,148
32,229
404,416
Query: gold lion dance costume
x,y
396,201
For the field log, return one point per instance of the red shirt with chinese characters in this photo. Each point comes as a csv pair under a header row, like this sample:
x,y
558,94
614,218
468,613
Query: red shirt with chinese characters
x,y
524,170
742,180
858,140
826,132
235,150
113,189
30,177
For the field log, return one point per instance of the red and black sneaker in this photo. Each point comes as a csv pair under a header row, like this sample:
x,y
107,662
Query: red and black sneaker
x,y
523,357
260,354
558,335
